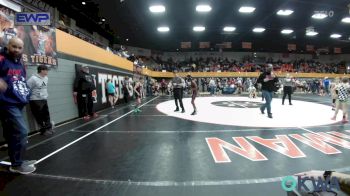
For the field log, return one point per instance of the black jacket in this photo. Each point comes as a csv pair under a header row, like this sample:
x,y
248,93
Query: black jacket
x,y
270,85
84,83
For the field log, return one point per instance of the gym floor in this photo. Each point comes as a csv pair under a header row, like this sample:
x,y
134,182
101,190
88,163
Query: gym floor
x,y
229,148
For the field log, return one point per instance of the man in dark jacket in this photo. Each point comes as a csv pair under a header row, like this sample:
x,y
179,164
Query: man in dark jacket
x,y
268,81
84,90
14,95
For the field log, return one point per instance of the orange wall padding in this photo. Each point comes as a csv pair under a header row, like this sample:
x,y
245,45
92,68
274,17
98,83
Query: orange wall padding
x,y
157,74
74,46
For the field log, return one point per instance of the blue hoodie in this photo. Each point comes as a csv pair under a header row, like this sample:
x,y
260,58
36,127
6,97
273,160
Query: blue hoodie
x,y
14,74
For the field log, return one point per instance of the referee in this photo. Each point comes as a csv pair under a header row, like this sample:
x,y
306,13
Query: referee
x,y
178,84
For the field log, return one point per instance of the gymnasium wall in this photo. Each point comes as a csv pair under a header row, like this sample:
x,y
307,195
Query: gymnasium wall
x,y
73,51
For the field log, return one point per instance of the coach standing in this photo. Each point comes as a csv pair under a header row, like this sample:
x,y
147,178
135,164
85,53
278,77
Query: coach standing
x,y
84,89
268,81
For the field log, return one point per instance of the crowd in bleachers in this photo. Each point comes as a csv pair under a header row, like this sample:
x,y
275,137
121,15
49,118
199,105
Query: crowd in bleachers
x,y
230,65
211,64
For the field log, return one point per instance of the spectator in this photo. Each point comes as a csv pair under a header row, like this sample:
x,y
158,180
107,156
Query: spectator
x,y
14,95
38,100
84,90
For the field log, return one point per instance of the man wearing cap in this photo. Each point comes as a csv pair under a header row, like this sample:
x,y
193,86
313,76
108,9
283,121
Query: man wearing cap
x,y
38,100
268,81
83,91
178,84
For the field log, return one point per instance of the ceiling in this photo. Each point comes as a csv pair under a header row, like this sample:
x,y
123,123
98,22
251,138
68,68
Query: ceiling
x,y
132,20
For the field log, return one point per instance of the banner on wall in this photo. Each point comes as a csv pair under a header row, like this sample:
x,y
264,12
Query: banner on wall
x,y
227,44
292,47
100,79
247,45
186,44
310,48
337,50
39,41
204,44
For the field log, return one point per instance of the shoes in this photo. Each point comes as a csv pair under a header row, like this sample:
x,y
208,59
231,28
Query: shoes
x,y
269,115
23,169
47,132
282,103
177,109
29,162
290,104
94,115
344,121
194,113
333,118
262,111
137,110
86,117
183,111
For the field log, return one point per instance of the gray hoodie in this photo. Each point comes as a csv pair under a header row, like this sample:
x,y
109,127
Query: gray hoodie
x,y
38,86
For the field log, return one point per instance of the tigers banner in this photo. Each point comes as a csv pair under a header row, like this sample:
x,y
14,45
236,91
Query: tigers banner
x,y
39,41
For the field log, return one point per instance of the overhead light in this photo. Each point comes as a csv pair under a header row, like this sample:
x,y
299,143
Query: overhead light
x,y
127,39
203,8
259,30
346,20
311,33
163,29
229,29
285,12
157,8
84,3
198,28
335,35
287,31
319,16
103,19
246,9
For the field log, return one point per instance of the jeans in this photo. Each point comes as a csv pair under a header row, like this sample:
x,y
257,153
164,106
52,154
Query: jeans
x,y
268,98
15,132
212,90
